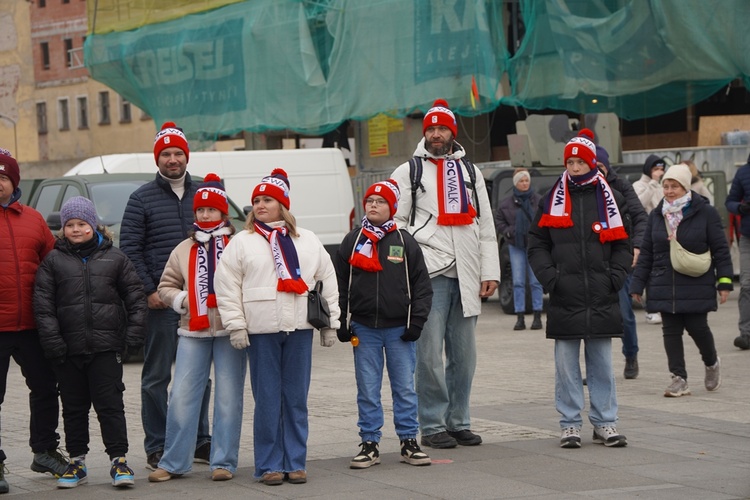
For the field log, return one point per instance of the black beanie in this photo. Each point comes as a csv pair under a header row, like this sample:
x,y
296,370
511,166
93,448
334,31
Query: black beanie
x,y
651,162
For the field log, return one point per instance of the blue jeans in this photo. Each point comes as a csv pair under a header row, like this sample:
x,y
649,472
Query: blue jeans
x,y
400,359
192,369
280,365
519,265
443,393
569,398
630,339
158,355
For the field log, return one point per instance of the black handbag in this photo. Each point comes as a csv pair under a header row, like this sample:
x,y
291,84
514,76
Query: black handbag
x,y
318,314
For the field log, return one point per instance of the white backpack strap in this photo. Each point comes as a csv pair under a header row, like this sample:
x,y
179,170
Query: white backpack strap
x,y
408,286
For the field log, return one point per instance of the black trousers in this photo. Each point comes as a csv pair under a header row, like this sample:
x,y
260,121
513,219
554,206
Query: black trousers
x,y
672,326
26,351
93,379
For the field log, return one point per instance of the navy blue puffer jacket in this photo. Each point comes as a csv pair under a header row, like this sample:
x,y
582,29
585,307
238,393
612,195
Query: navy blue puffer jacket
x,y
666,289
154,223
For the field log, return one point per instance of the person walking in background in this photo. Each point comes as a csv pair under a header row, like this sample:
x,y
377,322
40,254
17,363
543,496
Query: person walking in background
x,y
90,308
738,202
649,191
449,215
384,285
187,285
683,300
25,240
635,220
157,218
696,182
579,251
261,288
513,217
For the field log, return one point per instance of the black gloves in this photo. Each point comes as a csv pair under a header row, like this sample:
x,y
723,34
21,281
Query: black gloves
x,y
344,334
744,208
412,333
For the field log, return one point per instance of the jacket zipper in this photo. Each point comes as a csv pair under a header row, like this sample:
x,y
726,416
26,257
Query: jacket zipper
x,y
585,268
87,308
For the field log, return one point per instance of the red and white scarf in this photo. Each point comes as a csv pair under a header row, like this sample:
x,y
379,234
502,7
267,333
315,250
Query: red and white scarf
x,y
454,205
365,255
211,239
285,258
557,206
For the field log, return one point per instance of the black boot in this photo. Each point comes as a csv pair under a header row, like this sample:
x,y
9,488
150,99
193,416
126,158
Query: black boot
x,y
520,324
537,323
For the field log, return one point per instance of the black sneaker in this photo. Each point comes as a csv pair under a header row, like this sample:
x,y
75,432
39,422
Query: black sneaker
x,y
743,342
153,459
203,454
631,368
439,440
51,461
465,437
367,456
411,454
4,488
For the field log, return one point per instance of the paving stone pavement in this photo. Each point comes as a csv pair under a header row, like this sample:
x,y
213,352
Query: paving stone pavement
x,y
694,447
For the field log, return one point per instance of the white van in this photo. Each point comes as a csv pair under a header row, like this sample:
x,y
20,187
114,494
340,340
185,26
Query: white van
x,y
321,197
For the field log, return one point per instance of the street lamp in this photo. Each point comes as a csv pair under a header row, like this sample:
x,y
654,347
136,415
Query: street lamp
x,y
15,135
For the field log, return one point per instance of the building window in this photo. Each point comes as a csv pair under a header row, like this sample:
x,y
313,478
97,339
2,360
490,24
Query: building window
x,y
41,117
104,118
126,115
45,55
83,112
42,3
68,48
63,119
66,1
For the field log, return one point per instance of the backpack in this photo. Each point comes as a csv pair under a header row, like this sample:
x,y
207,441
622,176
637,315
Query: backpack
x,y
415,176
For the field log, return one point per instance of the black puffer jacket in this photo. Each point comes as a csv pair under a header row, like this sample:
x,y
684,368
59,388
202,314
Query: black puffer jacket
x,y
581,274
635,217
667,290
154,223
381,300
91,306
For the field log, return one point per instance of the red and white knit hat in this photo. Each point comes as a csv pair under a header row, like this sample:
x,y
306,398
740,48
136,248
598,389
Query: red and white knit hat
x,y
275,185
9,167
170,136
211,194
439,114
581,147
388,189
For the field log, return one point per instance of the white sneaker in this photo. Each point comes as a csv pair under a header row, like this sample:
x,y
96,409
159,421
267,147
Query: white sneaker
x,y
653,318
570,437
608,436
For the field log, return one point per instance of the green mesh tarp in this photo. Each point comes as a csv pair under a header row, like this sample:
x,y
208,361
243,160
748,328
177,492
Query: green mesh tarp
x,y
306,66
219,67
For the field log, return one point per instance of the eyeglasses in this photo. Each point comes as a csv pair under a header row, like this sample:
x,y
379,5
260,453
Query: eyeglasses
x,y
377,202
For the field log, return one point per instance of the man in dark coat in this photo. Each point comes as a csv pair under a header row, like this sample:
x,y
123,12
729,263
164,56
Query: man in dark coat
x,y
579,251
738,202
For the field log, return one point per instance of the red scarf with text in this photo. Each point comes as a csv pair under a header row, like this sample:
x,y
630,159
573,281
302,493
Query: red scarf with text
x,y
454,207
204,257
285,258
365,255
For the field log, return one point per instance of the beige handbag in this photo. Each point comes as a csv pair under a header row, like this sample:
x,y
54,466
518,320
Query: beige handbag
x,y
686,262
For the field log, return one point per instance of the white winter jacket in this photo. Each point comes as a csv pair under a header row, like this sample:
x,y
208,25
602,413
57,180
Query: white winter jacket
x,y
246,280
649,191
472,249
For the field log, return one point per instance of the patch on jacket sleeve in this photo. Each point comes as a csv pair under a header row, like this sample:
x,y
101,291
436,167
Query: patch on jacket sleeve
x,y
396,254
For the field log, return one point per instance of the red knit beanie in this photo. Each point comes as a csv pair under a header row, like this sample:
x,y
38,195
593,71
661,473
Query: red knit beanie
x,y
9,167
170,136
388,189
583,147
275,185
211,194
439,114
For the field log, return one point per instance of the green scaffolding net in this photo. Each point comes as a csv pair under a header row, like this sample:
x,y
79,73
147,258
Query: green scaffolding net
x,y
220,67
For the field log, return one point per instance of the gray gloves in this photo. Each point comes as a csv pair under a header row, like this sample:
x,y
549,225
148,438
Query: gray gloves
x,y
239,339
327,337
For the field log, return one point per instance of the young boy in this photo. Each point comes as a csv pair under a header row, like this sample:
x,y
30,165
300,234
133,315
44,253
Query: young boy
x,y
90,307
385,289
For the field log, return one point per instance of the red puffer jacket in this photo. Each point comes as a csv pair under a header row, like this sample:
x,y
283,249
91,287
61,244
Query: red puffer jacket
x,y
24,241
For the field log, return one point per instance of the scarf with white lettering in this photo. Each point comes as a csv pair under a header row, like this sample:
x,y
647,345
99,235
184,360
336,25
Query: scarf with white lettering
x,y
557,206
285,258
454,206
211,239
365,255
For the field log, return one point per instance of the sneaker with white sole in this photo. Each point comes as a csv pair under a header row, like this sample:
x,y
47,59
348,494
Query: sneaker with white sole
x,y
653,318
412,454
570,437
713,376
608,436
678,387
367,456
74,475
122,475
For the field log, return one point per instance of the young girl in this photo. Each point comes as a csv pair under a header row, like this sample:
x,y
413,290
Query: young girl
x,y
90,307
187,285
